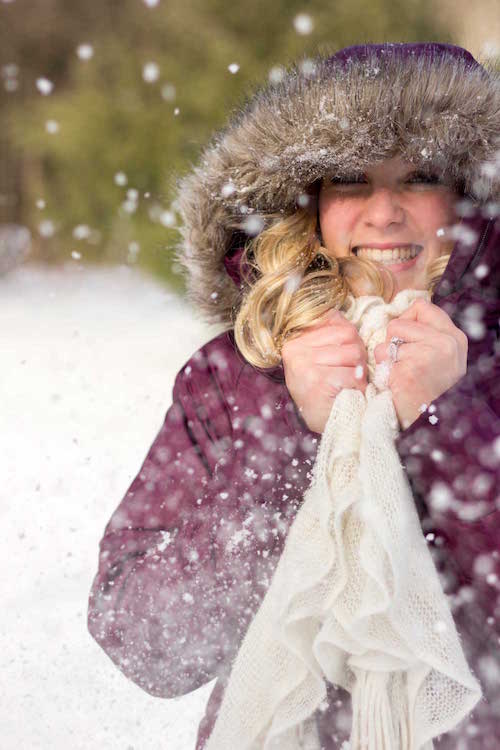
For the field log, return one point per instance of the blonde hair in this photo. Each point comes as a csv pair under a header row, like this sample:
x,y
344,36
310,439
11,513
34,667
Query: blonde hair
x,y
292,281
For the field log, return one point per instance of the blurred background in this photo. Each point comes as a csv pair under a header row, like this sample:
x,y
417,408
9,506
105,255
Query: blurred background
x,y
103,104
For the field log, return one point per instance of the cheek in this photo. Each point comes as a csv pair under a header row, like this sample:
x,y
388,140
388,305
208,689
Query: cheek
x,y
336,221
441,211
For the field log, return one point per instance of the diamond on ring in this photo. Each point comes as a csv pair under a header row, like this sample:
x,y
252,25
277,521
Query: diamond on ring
x,y
395,343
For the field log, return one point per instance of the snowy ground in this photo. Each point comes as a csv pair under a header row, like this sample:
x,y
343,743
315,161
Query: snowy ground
x,y
87,363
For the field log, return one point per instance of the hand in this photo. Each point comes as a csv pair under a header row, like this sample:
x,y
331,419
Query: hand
x,y
432,359
319,362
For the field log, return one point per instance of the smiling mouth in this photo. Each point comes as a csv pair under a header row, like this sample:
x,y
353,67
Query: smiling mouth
x,y
388,256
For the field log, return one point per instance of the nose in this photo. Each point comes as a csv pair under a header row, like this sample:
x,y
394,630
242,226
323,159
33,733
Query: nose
x,y
382,208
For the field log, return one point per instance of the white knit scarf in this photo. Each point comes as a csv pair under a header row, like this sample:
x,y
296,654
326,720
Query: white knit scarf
x,y
355,599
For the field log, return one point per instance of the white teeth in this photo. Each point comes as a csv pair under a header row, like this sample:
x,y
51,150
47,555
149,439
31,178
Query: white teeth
x,y
388,256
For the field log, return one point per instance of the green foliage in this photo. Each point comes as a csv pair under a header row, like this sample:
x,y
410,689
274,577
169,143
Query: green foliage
x,y
111,120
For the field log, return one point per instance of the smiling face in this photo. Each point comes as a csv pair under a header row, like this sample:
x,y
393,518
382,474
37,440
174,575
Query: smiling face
x,y
389,213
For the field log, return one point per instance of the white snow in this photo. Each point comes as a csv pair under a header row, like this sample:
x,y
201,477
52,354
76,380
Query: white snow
x,y
52,127
46,228
303,23
120,178
87,362
85,51
44,86
151,72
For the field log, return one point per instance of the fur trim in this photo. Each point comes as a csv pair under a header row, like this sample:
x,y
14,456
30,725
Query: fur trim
x,y
322,119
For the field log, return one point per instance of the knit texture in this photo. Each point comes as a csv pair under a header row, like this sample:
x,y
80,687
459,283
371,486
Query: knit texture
x,y
355,599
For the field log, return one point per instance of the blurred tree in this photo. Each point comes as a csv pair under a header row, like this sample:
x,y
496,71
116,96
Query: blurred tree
x,y
138,88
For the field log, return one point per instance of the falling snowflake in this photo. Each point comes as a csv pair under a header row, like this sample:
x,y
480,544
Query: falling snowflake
x,y
40,203
168,92
496,447
129,206
472,323
491,210
10,70
120,178
481,271
489,169
9,74
441,496
489,669
465,208
437,455
233,67
308,67
46,228
464,234
303,23
167,218
483,564
276,74
85,51
165,541
151,3
490,48
227,189
81,232
266,411
52,126
176,111
150,72
358,372
253,225
44,86
76,255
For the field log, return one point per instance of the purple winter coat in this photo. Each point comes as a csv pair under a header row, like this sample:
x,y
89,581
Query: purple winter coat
x,y
188,554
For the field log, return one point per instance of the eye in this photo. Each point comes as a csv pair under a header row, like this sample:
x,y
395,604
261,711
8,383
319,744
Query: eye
x,y
355,179
426,178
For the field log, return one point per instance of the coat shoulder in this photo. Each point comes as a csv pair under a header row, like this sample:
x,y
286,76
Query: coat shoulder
x,y
221,363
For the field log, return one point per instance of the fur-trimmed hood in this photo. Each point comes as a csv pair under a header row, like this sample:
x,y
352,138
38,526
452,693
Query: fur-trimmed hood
x,y
432,103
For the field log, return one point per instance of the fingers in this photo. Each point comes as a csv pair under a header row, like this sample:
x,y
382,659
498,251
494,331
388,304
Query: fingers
x,y
429,314
338,378
333,329
412,331
334,356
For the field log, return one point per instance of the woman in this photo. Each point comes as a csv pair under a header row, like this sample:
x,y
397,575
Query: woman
x,y
269,244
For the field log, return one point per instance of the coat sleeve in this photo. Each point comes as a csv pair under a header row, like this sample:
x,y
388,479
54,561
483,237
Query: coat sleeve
x,y
169,604
452,457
